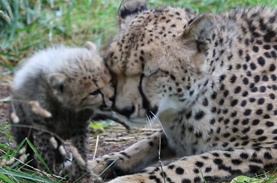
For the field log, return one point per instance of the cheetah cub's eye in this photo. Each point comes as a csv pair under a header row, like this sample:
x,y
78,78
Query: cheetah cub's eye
x,y
96,92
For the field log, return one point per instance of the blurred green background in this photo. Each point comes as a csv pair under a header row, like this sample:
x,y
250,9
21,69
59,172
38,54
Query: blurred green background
x,y
29,25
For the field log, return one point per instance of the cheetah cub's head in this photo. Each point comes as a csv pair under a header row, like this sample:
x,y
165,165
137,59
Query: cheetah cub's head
x,y
83,81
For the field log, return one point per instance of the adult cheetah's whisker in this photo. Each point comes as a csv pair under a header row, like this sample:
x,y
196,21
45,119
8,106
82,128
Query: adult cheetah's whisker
x,y
147,121
159,122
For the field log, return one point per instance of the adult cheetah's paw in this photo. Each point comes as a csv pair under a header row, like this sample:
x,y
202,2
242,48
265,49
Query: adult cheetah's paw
x,y
111,166
137,178
90,179
98,166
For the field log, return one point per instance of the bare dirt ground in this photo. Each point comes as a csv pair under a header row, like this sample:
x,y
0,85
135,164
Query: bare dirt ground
x,y
113,139
116,138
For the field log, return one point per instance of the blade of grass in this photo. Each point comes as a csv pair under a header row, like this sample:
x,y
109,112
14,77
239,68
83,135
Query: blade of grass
x,y
18,147
9,55
5,178
37,154
24,175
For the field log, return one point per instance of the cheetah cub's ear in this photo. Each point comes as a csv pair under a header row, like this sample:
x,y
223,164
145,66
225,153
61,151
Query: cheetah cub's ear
x,y
201,30
58,82
90,46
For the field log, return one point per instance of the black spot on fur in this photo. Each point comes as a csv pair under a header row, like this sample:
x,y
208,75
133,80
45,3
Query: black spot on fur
x,y
179,170
269,35
199,115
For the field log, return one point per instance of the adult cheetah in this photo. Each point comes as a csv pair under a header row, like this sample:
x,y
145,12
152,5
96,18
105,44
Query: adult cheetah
x,y
211,81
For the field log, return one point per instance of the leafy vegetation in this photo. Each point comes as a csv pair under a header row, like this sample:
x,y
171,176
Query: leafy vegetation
x,y
29,25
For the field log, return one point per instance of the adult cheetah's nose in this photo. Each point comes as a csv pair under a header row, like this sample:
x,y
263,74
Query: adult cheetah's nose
x,y
126,111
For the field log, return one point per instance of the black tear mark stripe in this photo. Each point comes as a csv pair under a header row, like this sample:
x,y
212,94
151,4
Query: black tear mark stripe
x,y
145,102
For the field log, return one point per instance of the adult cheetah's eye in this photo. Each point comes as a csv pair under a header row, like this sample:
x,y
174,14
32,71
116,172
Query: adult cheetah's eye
x,y
96,92
151,72
155,72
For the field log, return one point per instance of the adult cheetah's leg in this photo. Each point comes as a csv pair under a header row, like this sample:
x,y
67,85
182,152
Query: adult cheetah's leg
x,y
211,167
134,158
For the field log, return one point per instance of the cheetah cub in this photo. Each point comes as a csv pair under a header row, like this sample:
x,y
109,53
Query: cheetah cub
x,y
54,95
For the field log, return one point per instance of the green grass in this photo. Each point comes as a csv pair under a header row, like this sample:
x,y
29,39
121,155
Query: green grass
x,y
18,172
29,25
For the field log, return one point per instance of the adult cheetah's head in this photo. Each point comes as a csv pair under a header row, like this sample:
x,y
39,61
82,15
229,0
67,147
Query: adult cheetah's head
x,y
155,57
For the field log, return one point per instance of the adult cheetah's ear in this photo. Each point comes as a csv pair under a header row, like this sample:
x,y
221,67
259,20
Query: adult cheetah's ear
x,y
90,46
57,82
201,30
128,9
